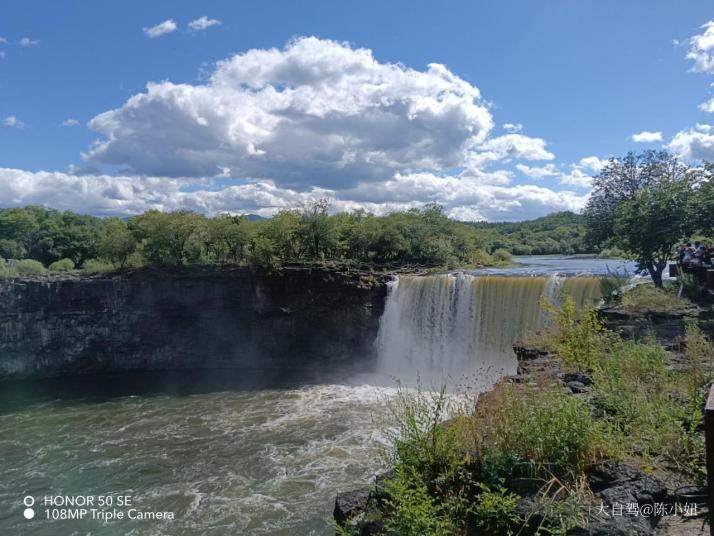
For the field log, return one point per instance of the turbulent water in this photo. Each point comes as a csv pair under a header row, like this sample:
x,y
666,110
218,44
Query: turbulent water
x,y
459,328
253,462
244,459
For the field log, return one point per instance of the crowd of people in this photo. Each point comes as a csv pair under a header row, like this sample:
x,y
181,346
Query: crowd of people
x,y
696,254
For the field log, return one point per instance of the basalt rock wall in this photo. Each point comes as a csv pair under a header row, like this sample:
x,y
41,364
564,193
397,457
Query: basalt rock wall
x,y
300,319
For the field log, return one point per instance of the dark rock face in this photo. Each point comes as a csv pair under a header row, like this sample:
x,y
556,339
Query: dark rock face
x,y
302,319
620,486
348,504
666,326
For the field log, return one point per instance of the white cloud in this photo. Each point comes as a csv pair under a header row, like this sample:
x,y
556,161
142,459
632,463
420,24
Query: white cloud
x,y
317,112
592,163
511,146
701,50
466,199
512,127
707,106
70,122
647,137
578,178
3,41
549,170
694,144
203,23
160,29
27,42
12,121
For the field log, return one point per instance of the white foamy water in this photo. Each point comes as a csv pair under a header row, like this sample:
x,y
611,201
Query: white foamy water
x,y
255,462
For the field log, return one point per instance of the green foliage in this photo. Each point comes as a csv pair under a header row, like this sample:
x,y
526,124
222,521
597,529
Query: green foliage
x,y
642,204
561,233
502,255
580,341
116,243
495,510
97,266
413,510
611,287
544,430
62,265
165,236
646,298
612,253
29,267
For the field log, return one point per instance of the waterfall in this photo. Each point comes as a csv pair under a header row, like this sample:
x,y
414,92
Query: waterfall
x,y
458,329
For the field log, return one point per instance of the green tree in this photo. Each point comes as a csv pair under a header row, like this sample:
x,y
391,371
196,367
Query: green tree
x,y
620,181
651,224
316,232
164,237
117,244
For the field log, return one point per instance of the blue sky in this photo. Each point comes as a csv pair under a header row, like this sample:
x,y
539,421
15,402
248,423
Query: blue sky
x,y
581,77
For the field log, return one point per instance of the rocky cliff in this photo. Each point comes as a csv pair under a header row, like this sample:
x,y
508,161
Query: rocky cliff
x,y
300,319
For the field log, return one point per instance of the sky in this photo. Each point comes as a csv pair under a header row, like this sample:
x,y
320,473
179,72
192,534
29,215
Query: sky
x,y
496,110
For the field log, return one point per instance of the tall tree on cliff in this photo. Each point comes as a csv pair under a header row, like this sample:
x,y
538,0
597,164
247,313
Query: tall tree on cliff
x,y
641,203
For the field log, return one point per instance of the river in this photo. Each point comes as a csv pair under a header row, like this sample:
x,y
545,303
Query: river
x,y
226,454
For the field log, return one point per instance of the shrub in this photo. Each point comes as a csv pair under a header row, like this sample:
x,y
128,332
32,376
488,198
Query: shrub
x,y
412,510
502,255
6,270
479,257
645,298
29,267
97,266
542,430
62,265
495,510
611,287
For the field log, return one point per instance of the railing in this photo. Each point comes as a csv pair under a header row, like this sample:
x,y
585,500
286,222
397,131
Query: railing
x,y
709,438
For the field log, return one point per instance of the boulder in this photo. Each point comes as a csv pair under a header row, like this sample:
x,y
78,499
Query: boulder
x,y
348,504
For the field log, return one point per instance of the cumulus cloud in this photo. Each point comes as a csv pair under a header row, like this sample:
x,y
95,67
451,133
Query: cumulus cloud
x,y
160,29
549,170
578,178
70,122
701,49
592,163
647,137
27,42
203,23
707,106
316,112
463,198
12,121
694,144
512,127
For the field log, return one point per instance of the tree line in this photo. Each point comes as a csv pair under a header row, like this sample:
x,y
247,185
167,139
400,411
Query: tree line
x,y
423,236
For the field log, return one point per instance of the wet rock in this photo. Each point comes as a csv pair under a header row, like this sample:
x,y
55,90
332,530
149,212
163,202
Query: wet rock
x,y
348,504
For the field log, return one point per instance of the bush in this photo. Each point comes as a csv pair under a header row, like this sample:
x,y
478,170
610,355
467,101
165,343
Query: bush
x,y
62,265
611,286
502,255
97,266
647,298
541,432
612,253
6,270
29,267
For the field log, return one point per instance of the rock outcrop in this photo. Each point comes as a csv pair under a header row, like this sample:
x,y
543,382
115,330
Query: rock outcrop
x,y
300,319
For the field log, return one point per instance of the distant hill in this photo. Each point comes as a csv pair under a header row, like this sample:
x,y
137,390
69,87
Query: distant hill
x,y
560,232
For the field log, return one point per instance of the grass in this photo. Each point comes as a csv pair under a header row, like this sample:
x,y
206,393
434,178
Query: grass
x,y
647,298
465,468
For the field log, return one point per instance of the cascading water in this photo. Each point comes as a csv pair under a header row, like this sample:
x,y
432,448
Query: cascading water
x,y
458,329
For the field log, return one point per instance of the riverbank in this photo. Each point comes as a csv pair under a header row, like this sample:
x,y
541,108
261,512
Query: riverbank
x,y
594,421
